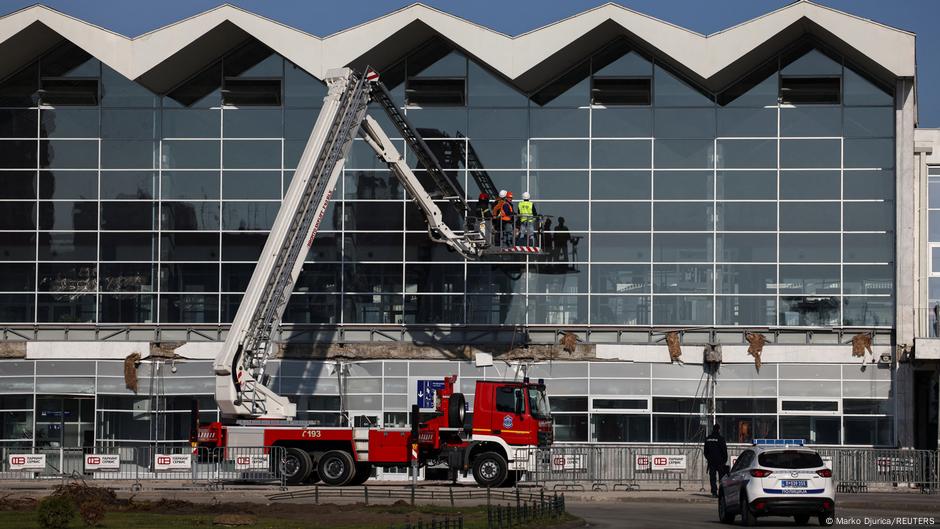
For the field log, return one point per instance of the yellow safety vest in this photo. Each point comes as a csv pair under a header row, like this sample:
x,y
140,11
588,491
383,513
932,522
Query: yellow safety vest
x,y
525,211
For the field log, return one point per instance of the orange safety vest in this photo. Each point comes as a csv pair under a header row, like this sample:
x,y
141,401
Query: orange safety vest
x,y
498,212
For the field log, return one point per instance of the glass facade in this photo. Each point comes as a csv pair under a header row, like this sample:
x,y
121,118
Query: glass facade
x,y
614,402
933,255
669,205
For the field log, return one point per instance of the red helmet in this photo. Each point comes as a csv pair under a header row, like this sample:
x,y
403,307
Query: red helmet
x,y
509,195
484,196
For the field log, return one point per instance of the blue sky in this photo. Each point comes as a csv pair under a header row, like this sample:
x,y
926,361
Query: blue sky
x,y
323,17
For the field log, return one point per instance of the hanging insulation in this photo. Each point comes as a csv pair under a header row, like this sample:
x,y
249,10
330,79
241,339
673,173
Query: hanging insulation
x,y
755,347
860,343
672,343
130,371
569,341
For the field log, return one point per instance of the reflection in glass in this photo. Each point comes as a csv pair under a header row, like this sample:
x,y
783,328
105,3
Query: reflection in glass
x,y
809,311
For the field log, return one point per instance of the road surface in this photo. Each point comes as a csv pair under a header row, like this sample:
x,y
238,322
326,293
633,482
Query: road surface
x,y
659,514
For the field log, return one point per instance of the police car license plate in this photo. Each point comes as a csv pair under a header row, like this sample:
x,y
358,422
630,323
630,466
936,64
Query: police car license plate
x,y
793,483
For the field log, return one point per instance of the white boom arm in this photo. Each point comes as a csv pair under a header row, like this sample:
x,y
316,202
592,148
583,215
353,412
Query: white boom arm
x,y
241,382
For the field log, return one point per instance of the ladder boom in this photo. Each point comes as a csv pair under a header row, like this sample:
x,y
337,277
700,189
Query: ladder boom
x,y
241,388
447,186
241,379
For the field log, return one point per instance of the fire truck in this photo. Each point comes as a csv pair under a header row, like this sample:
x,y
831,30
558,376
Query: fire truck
x,y
509,418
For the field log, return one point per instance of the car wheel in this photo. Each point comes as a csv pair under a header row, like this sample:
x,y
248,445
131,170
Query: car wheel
x,y
801,519
724,514
336,467
827,519
747,515
297,466
490,469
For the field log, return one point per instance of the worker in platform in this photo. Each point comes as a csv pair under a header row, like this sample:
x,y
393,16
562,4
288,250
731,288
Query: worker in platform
x,y
498,218
482,213
527,222
509,213
483,206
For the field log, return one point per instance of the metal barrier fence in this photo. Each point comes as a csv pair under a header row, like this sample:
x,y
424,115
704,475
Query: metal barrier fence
x,y
856,469
683,467
205,466
617,467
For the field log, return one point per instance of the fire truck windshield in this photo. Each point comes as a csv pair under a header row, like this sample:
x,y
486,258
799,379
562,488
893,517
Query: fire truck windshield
x,y
538,404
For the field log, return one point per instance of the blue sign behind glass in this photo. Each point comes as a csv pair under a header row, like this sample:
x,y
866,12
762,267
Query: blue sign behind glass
x,y
426,389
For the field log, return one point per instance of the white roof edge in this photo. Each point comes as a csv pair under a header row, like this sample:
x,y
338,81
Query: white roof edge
x,y
610,5
417,6
891,48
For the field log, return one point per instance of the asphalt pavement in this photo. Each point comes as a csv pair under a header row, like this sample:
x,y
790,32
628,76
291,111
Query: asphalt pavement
x,y
901,511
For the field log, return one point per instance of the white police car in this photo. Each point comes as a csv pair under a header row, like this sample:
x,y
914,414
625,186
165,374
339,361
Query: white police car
x,y
777,477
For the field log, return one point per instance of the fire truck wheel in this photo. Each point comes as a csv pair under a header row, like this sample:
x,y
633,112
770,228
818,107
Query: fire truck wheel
x,y
336,467
490,469
297,465
363,473
456,409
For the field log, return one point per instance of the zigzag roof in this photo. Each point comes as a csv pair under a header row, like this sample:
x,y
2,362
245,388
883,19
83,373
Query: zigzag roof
x,y
160,57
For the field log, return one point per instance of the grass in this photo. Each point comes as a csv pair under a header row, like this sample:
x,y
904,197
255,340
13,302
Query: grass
x,y
382,517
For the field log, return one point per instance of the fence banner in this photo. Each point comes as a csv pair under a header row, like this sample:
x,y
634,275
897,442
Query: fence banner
x,y
568,462
668,462
102,462
31,462
252,462
172,462
641,462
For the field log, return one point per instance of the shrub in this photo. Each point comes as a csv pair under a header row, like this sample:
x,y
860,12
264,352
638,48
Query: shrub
x,y
92,512
55,512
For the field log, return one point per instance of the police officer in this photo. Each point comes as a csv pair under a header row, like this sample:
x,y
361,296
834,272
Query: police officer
x,y
716,454
527,215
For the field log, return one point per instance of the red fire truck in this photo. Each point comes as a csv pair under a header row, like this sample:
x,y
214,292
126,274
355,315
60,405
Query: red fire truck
x,y
509,418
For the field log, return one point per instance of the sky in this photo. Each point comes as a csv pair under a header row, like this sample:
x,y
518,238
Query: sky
x,y
324,17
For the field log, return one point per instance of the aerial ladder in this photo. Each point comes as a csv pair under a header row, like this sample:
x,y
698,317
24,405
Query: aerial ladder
x,y
242,390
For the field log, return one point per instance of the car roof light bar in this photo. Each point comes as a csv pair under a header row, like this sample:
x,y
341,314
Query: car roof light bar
x,y
779,442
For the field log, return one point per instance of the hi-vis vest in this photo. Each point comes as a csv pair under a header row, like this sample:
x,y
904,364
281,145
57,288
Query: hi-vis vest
x,y
525,211
498,210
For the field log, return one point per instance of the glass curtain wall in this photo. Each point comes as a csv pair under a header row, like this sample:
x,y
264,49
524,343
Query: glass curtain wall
x,y
668,205
64,402
933,236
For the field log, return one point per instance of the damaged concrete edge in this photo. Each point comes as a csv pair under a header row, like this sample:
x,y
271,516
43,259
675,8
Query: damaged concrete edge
x,y
373,351
12,349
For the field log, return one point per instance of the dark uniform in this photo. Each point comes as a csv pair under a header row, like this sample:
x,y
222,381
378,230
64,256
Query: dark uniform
x,y
716,454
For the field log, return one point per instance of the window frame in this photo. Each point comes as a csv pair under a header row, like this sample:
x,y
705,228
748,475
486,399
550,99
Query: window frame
x,y
594,410
836,400
782,101
417,105
601,105
224,90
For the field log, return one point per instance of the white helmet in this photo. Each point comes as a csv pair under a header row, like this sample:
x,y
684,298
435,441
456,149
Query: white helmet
x,y
502,193
526,195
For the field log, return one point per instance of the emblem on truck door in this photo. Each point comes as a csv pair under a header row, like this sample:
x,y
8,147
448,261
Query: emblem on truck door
x,y
507,422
